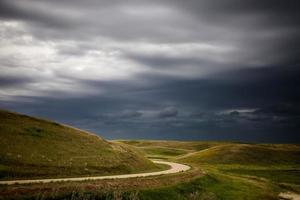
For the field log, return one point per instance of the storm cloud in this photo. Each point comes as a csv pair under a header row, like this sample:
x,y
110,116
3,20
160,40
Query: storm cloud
x,y
155,69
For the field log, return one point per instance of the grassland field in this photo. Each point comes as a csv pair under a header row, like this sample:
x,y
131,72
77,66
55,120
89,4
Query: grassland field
x,y
220,170
33,148
252,171
233,170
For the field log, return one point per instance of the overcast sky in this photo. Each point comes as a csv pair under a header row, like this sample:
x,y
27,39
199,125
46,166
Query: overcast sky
x,y
167,69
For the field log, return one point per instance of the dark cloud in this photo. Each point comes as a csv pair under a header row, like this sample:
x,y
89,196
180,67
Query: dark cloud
x,y
161,61
215,108
287,109
24,11
234,113
168,112
130,114
268,8
155,69
12,81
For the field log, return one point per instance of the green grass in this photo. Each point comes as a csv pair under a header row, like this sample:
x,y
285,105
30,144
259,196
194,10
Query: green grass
x,y
234,171
276,175
162,151
34,148
179,145
238,171
248,154
210,187
274,167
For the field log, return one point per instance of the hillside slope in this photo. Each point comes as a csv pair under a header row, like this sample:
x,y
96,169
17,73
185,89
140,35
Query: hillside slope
x,y
33,148
248,154
173,144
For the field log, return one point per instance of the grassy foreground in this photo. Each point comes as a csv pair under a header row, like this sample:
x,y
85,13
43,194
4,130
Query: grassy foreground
x,y
220,170
37,148
233,170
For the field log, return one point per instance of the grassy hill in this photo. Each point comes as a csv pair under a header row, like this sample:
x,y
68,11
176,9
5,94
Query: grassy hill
x,y
272,167
33,148
168,149
173,144
247,154
233,170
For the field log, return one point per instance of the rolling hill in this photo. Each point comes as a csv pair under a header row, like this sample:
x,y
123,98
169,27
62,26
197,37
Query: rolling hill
x,y
247,154
35,148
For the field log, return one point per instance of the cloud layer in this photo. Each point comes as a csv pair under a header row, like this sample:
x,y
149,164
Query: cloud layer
x,y
155,69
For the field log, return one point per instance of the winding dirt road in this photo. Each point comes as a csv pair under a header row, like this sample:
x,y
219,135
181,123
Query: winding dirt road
x,y
175,168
